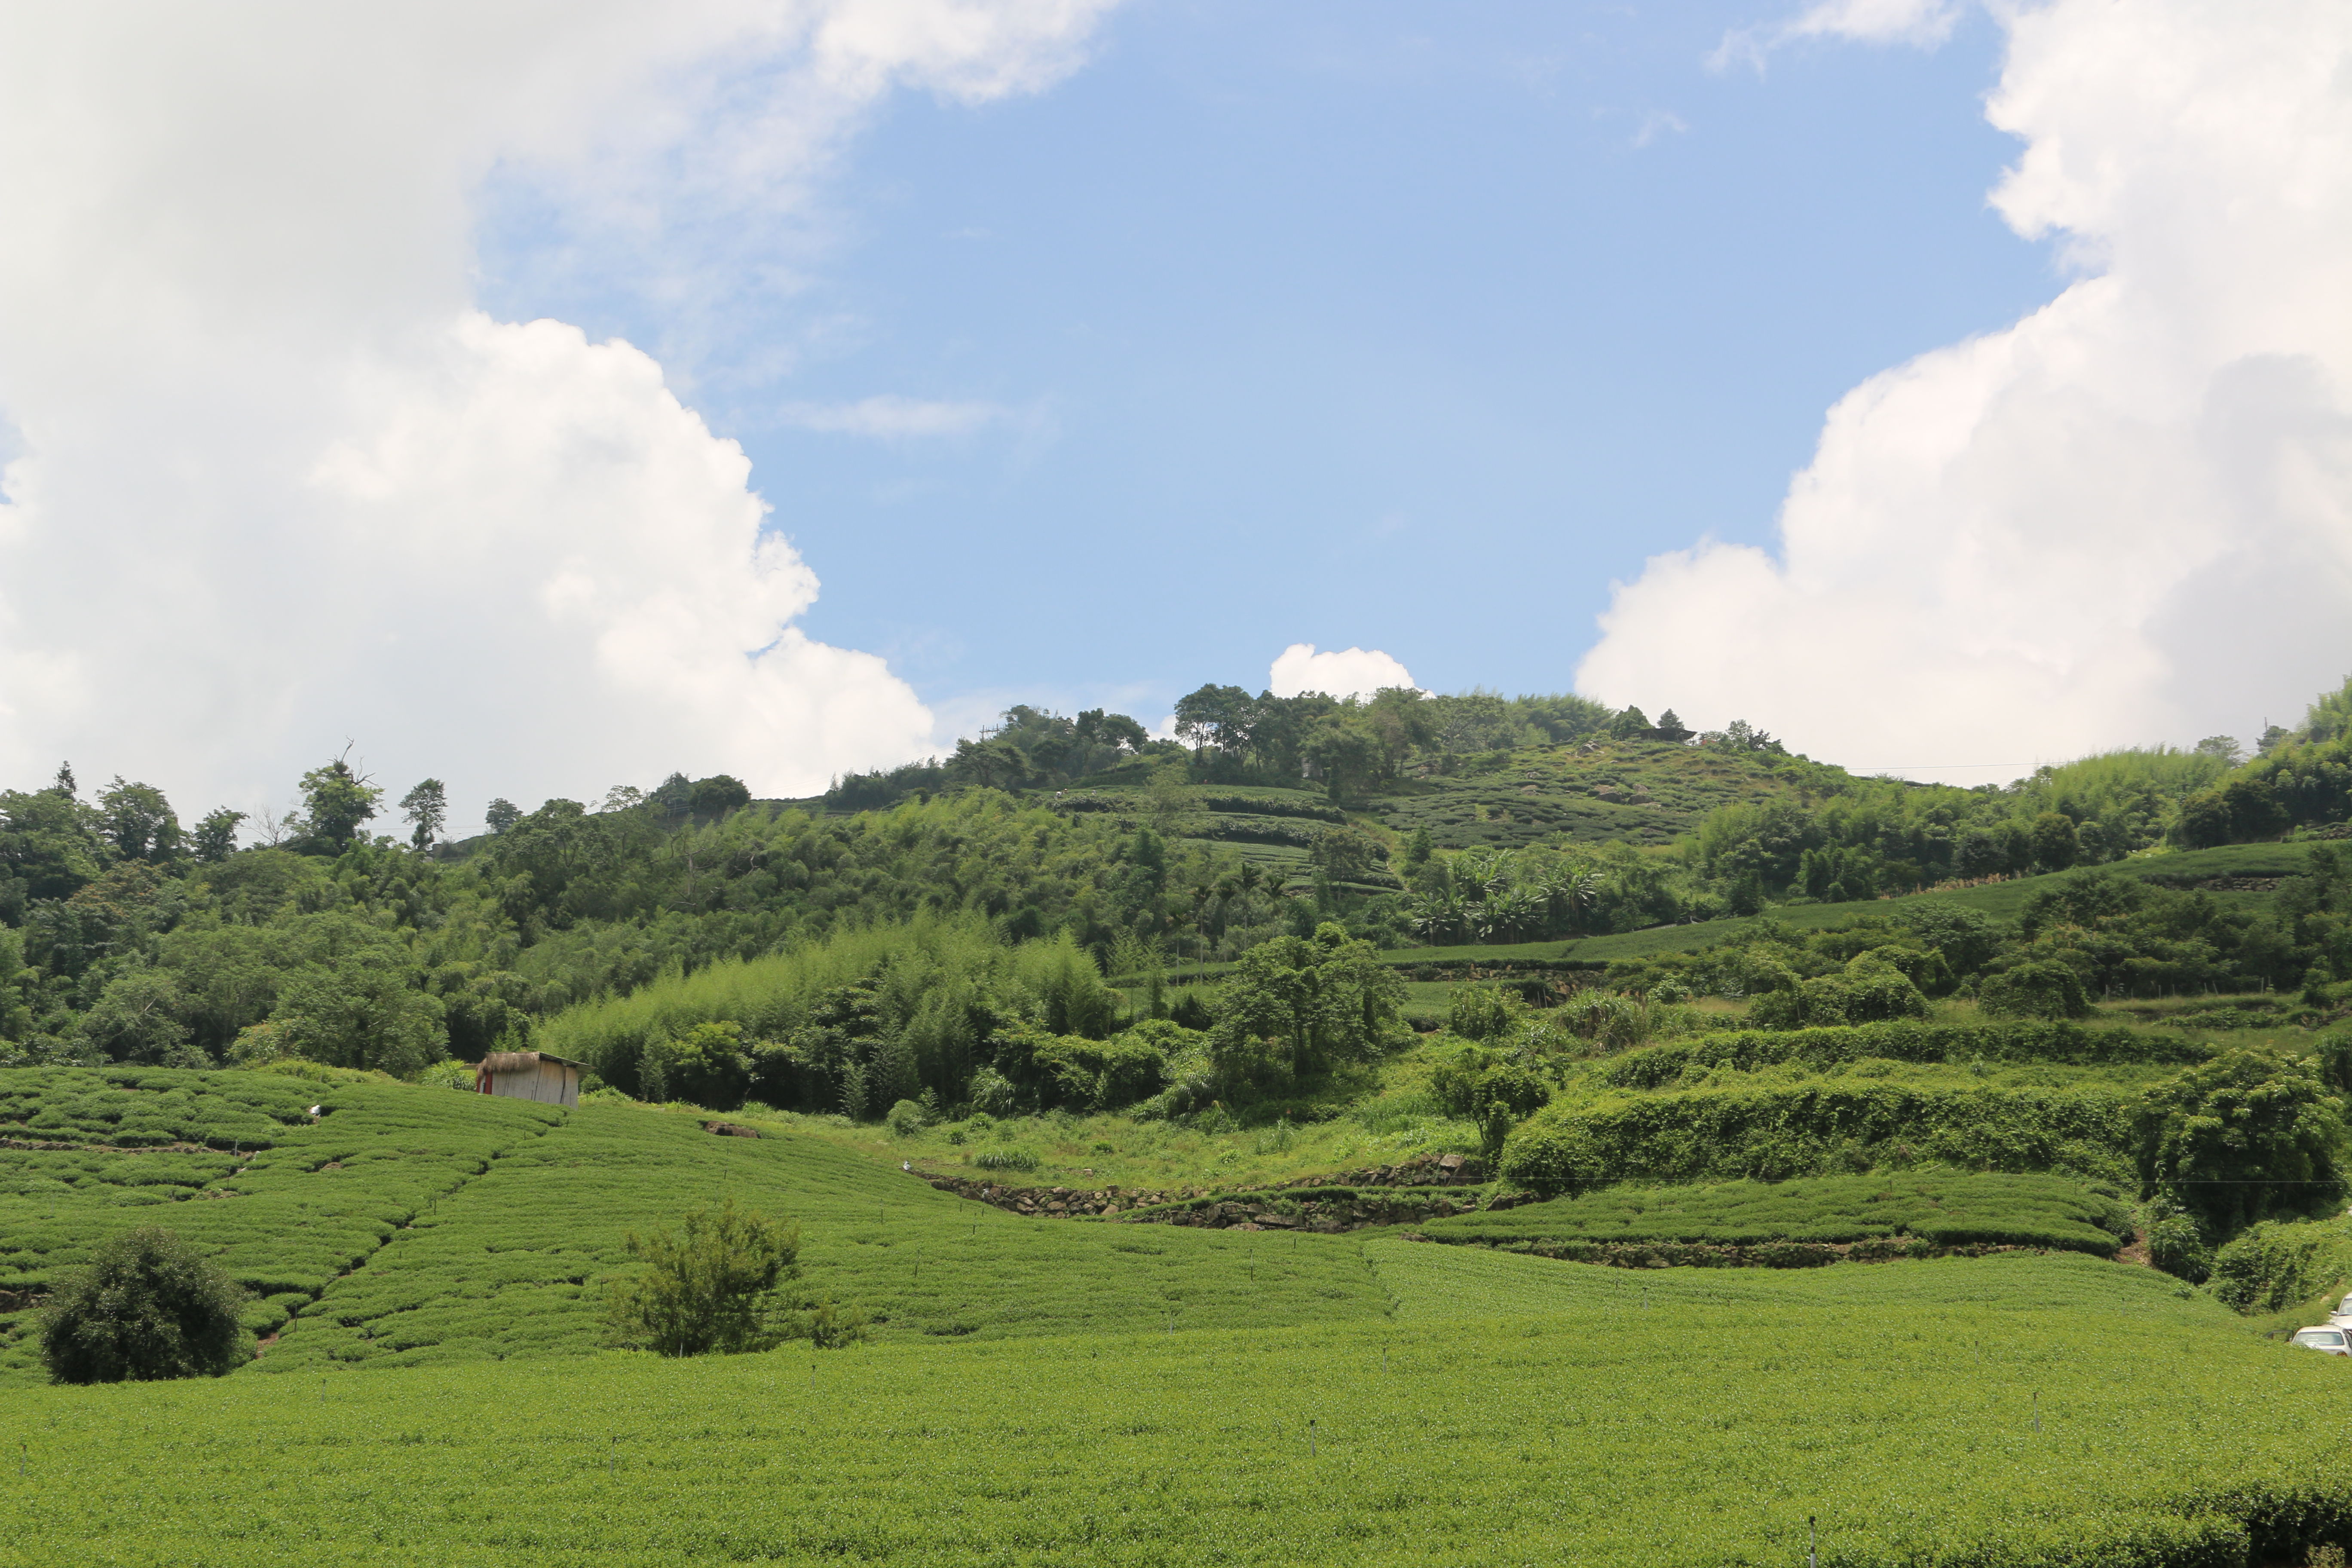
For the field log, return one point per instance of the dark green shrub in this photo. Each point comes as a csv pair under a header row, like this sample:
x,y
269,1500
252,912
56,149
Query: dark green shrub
x,y
147,1305
2334,1056
1490,1088
2241,1137
2039,988
711,1287
2267,1268
704,1065
1479,1012
2176,1244
1771,1131
1871,991
1077,1074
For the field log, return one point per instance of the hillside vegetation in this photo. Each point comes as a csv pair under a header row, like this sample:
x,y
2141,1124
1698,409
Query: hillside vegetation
x,y
1903,1116
1265,1398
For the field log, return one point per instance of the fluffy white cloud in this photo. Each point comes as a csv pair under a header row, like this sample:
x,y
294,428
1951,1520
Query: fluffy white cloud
x,y
2128,516
276,482
1349,672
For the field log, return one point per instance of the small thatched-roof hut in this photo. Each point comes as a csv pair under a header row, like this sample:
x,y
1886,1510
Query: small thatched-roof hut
x,y
529,1075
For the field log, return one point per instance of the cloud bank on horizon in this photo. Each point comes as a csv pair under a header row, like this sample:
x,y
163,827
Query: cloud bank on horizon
x,y
274,481
1337,672
2126,517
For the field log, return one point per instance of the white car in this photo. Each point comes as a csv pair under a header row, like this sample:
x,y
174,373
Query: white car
x,y
2326,1340
2342,1317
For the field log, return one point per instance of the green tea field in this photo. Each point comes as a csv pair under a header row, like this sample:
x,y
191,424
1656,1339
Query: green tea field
x,y
1040,1392
1509,1411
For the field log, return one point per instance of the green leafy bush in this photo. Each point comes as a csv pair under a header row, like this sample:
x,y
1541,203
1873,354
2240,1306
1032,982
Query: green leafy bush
x,y
2038,988
1480,1013
2176,1244
1944,1210
2241,1137
703,1064
905,1119
2268,1268
1746,1050
1870,991
1775,1131
147,1305
1005,1160
710,1286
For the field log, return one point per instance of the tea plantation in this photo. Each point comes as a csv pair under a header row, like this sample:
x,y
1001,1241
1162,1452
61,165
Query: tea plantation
x,y
1074,1393
1514,1411
1941,1211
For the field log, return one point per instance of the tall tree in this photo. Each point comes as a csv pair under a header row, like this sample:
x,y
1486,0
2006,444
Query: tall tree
x,y
214,838
1216,716
339,799
1297,1005
426,808
138,820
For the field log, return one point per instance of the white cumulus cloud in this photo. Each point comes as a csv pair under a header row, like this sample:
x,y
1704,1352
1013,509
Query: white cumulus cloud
x,y
274,480
1342,672
2128,516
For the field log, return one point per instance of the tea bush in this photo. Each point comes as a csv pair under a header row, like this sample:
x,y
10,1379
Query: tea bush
x,y
1772,1130
1942,1210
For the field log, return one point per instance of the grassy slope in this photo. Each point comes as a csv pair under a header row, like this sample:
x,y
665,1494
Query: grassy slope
x,y
1946,1209
319,1200
507,1267
2022,1410
1998,900
1528,795
1503,798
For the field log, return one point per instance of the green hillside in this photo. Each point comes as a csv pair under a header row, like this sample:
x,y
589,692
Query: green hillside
x,y
412,1226
1055,1392
2009,1125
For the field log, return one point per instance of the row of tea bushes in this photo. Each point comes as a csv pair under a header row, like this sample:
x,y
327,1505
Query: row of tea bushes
x,y
1904,1041
509,1267
2007,1412
143,1107
1943,1210
286,1221
1771,1130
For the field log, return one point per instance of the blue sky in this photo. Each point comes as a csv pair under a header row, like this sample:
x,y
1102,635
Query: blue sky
x,y
1087,350
1400,325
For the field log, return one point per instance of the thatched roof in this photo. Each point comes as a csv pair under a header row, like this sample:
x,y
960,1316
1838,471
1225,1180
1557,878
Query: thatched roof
x,y
522,1062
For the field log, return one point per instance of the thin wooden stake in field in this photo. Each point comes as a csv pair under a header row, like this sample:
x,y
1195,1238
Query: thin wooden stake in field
x,y
1310,1437
1812,1553
2037,1410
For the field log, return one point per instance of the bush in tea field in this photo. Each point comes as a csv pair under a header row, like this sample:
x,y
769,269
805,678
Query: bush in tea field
x,y
146,1305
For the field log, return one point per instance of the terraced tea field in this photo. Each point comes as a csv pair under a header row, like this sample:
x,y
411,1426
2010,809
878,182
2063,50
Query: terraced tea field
x,y
1940,1211
1053,1392
1512,1411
